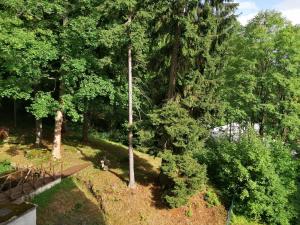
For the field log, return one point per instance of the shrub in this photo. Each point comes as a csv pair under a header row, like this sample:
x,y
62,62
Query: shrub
x,y
186,177
258,174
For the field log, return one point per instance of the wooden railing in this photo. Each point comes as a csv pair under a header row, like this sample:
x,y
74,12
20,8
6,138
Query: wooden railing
x,y
30,175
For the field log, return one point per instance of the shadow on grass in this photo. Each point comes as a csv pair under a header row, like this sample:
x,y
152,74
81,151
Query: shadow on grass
x,y
145,173
67,204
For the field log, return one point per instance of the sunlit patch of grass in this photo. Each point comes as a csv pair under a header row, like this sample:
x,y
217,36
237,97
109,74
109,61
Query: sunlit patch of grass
x,y
43,199
38,155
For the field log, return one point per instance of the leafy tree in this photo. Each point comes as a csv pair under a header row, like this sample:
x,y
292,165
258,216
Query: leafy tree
x,y
25,52
258,175
262,77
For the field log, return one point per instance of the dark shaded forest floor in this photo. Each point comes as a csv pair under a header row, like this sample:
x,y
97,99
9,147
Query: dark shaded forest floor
x,y
94,196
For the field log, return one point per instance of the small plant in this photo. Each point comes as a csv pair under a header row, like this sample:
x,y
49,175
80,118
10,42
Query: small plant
x,y
212,199
5,166
142,217
189,212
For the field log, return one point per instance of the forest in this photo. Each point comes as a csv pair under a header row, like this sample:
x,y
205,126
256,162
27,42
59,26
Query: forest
x,y
180,81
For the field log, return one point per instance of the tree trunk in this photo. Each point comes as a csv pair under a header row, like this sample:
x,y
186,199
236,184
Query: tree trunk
x,y
59,119
262,125
39,130
174,64
130,120
15,113
85,125
56,151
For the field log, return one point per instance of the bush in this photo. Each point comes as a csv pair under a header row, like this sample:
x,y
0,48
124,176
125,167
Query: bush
x,y
186,177
258,174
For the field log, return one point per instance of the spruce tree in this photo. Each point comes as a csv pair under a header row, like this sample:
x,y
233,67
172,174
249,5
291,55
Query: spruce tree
x,y
190,40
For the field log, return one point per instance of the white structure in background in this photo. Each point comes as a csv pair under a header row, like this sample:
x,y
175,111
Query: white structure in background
x,y
232,130
18,214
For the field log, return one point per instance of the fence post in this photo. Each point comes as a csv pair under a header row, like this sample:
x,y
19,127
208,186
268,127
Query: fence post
x,y
53,175
61,168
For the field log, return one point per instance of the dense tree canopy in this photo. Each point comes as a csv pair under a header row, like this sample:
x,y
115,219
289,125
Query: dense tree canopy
x,y
179,69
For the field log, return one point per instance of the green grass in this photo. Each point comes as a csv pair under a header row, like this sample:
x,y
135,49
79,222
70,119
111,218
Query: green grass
x,y
43,199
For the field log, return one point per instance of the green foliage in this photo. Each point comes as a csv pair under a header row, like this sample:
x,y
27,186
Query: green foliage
x,y
43,105
179,131
72,56
187,176
5,166
262,77
212,198
241,220
189,212
177,138
258,174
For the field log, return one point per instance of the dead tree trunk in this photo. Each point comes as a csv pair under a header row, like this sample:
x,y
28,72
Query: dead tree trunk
x,y
38,132
130,118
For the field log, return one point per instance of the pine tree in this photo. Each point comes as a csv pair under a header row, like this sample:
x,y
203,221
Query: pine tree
x,y
190,40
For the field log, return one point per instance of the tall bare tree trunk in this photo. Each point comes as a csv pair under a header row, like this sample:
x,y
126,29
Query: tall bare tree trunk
x,y
130,120
85,125
15,113
38,131
174,64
